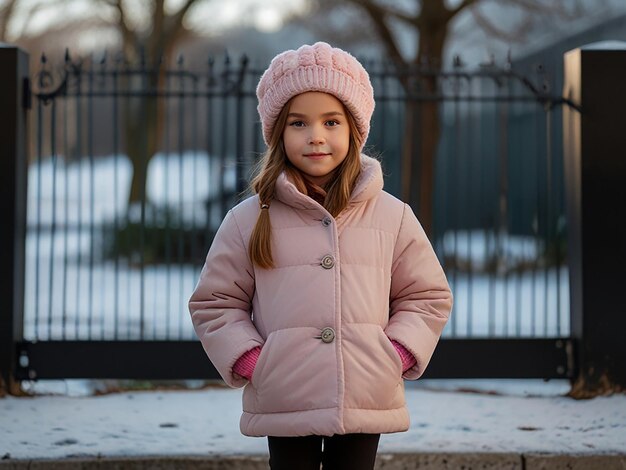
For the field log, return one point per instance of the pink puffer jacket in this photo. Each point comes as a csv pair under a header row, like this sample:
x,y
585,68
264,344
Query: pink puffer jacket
x,y
340,289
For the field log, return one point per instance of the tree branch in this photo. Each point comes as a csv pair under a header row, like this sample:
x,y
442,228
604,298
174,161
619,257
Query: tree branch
x,y
493,30
322,26
128,35
462,6
176,22
173,26
6,13
408,19
554,8
377,14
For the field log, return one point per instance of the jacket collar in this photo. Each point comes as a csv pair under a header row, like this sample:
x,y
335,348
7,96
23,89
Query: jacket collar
x,y
368,185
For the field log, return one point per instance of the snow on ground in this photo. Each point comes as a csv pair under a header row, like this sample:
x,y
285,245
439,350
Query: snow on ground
x,y
206,421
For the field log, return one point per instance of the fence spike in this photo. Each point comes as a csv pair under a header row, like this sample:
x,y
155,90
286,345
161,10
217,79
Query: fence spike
x,y
210,78
67,55
509,60
181,60
142,57
43,59
103,59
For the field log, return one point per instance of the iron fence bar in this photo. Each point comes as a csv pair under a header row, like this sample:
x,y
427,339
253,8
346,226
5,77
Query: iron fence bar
x,y
551,100
487,155
469,210
102,234
51,277
128,232
256,138
208,204
559,236
503,196
382,80
491,232
494,73
142,225
168,221
181,182
92,203
65,216
517,274
38,199
79,164
116,191
224,127
535,223
548,215
195,249
455,211
240,182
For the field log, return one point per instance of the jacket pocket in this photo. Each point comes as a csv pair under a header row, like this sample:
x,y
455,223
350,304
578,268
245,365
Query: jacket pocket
x,y
249,399
373,369
261,359
298,372
391,349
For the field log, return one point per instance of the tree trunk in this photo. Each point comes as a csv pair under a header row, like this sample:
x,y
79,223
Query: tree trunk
x,y
422,130
143,126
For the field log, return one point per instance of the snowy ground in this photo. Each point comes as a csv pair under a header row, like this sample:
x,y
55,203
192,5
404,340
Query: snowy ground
x,y
525,416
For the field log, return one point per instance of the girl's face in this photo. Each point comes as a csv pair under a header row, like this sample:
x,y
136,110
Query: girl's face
x,y
316,135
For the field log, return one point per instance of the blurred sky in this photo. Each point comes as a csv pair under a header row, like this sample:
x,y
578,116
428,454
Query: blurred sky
x,y
207,16
217,18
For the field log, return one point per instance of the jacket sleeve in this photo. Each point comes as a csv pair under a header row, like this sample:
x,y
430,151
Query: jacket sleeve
x,y
220,305
420,298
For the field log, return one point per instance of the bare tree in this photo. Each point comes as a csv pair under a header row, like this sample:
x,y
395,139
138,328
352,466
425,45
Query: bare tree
x,y
430,20
151,45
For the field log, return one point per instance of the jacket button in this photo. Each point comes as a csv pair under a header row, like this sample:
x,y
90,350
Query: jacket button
x,y
328,335
328,262
326,221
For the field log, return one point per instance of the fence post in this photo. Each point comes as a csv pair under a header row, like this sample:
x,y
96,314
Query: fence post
x,y
14,100
595,184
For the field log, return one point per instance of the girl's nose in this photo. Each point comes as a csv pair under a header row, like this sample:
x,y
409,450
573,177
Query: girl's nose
x,y
316,138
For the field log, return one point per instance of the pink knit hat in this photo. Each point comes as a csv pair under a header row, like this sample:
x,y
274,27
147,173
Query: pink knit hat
x,y
319,67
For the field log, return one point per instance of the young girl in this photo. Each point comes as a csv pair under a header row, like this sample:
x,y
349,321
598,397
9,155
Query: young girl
x,y
321,292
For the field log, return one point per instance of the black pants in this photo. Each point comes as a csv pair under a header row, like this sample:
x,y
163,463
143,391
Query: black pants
x,y
341,452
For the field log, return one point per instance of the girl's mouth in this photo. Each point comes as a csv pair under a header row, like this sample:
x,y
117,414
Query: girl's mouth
x,y
316,156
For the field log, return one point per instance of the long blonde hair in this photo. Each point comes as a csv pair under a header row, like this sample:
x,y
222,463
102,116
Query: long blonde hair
x,y
274,161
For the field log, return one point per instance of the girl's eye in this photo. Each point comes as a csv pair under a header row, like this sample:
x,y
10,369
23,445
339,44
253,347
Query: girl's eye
x,y
297,124
334,123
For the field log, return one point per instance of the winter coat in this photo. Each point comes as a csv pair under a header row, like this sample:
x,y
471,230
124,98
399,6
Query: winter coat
x,y
341,288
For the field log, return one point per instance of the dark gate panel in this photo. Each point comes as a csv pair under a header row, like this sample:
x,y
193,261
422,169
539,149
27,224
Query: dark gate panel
x,y
158,360
110,273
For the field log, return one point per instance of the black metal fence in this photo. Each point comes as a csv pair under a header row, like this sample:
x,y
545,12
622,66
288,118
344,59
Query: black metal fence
x,y
111,261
